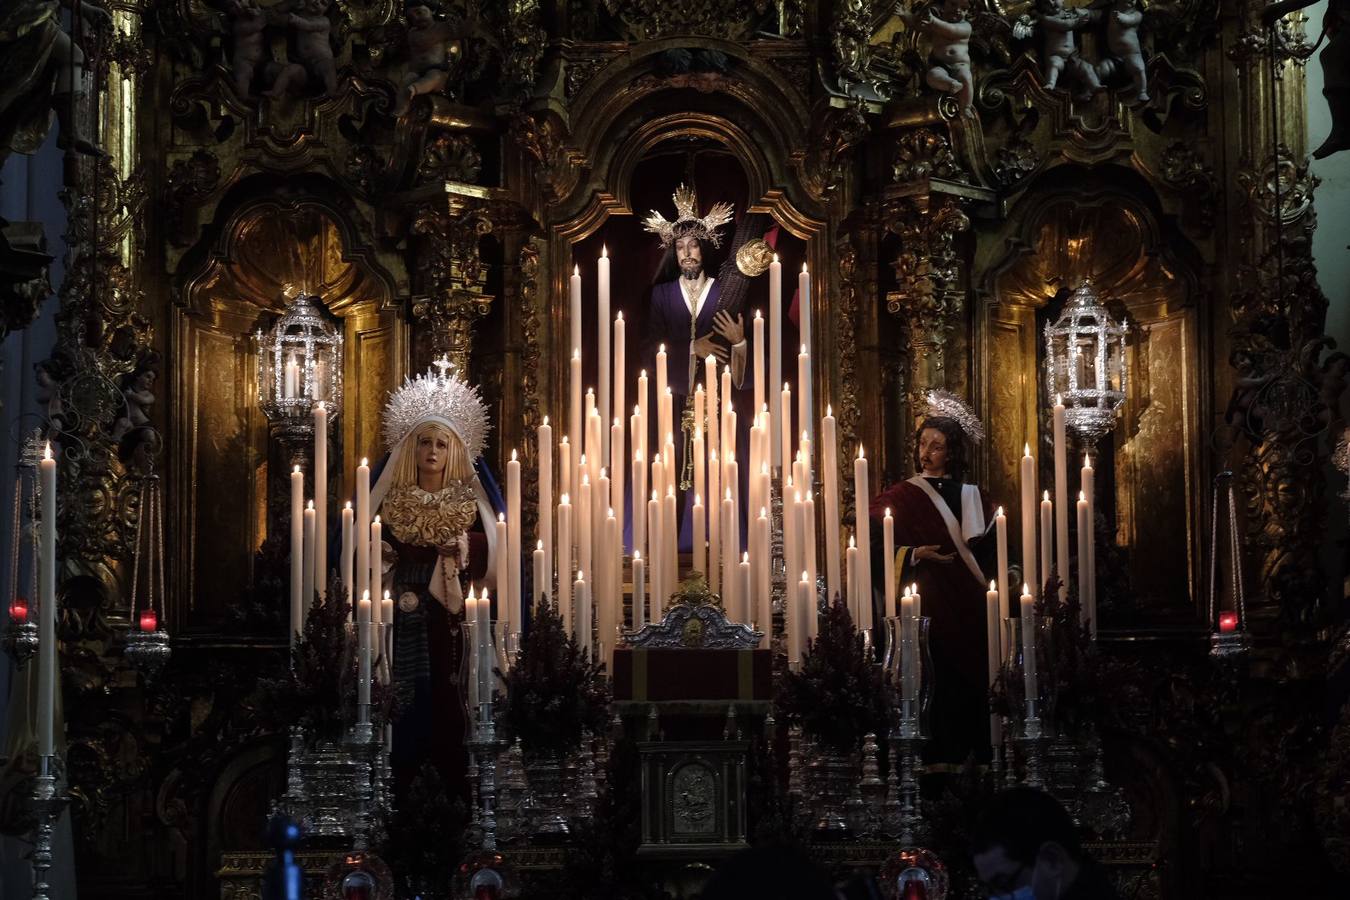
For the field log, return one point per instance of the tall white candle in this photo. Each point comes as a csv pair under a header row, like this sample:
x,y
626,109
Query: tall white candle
x,y
1004,598
812,572
781,452
783,446
485,647
1087,613
604,359
644,415
565,467
654,536
743,590
730,602
1061,492
363,639
576,419
862,496
798,635
47,667
608,603
544,525
361,528
757,373
1029,521
585,526
619,398
582,632
639,577
662,384
714,522
601,581
808,608
700,485
995,661
698,527
501,577
803,394
851,572
618,470
888,564
376,563
639,495
829,464
728,417
511,611
574,319
807,386
763,596
1047,529
540,571
307,571
297,552
909,669
1088,477
564,563
348,553
713,434
321,497
670,532
387,642
1029,680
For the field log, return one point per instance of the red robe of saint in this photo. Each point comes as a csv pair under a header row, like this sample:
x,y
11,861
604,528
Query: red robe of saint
x,y
931,511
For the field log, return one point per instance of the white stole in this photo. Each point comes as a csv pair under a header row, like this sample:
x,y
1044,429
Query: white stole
x,y
971,525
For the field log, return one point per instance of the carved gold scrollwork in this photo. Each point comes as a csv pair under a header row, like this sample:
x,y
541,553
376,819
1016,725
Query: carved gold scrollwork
x,y
647,20
544,139
845,323
837,132
531,362
456,277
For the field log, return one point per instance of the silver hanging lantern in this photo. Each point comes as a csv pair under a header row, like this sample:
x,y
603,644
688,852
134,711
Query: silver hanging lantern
x,y
1085,364
299,364
147,645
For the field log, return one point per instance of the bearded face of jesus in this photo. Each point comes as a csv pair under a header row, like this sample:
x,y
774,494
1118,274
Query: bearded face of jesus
x,y
689,254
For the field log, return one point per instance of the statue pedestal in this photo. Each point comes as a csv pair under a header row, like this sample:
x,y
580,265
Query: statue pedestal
x,y
695,687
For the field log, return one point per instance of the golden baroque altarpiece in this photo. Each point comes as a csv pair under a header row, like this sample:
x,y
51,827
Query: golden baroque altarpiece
x,y
942,236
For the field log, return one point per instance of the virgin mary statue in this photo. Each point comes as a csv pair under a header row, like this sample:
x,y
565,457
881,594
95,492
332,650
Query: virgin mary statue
x,y
435,497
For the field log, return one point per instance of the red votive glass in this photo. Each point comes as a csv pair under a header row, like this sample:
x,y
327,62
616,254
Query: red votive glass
x,y
18,611
149,621
1227,622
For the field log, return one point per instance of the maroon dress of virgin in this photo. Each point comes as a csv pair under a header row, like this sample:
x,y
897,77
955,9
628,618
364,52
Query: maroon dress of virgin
x,y
953,598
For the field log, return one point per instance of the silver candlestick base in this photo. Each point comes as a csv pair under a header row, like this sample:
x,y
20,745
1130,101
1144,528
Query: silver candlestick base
x,y
906,742
1031,737
47,804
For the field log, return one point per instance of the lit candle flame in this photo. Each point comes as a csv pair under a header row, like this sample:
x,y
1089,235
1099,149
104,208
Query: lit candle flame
x,y
47,453
310,507
888,512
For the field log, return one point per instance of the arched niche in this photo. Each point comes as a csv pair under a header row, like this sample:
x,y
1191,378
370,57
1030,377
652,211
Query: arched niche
x,y
226,471
629,117
1106,225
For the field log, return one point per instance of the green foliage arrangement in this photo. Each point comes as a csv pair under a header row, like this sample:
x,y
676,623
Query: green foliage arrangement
x,y
838,696
554,692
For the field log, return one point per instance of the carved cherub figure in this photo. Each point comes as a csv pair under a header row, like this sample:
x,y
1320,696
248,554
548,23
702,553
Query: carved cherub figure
x,y
247,24
138,391
950,51
43,70
1059,52
313,46
1122,40
433,50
